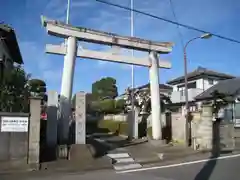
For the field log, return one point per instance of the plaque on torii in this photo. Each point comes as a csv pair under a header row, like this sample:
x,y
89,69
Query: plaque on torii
x,y
71,51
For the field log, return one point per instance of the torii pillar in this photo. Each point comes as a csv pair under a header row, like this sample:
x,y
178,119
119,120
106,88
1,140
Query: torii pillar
x,y
68,68
66,88
155,97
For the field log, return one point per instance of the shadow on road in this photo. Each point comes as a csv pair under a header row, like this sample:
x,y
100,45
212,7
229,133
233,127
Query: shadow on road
x,y
101,148
207,170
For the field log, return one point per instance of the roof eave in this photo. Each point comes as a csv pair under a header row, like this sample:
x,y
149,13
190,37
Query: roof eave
x,y
11,41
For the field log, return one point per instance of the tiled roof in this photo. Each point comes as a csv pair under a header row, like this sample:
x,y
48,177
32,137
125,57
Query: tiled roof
x,y
230,87
161,86
200,71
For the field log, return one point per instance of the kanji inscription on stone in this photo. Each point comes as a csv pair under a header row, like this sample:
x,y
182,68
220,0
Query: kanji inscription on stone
x,y
80,118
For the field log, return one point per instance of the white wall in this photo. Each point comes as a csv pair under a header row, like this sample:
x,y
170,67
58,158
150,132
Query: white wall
x,y
200,84
207,85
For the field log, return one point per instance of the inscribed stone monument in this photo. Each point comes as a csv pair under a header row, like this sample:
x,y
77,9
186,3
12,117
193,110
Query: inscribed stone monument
x,y
80,136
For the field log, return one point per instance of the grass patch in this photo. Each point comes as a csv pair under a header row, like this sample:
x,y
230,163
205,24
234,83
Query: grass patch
x,y
114,126
149,131
118,127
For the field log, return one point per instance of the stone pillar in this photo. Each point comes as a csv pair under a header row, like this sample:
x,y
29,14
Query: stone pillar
x,y
66,88
34,132
79,152
80,122
135,123
155,97
205,128
130,121
52,122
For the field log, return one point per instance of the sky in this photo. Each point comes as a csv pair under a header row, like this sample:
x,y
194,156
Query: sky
x,y
216,16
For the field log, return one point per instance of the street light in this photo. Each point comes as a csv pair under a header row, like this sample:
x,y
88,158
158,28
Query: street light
x,y
204,36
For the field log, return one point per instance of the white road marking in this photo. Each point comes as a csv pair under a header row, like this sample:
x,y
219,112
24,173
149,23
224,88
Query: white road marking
x,y
124,160
180,164
118,155
127,166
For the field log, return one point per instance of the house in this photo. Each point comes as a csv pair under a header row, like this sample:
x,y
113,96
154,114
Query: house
x,y
227,91
199,80
164,89
9,49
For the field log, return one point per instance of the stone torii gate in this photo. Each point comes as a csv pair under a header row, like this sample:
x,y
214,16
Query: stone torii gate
x,y
70,49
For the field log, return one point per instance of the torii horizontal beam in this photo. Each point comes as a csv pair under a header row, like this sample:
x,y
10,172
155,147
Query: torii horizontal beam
x,y
63,30
107,56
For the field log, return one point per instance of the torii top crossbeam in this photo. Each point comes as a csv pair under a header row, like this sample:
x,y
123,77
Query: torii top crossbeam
x,y
63,30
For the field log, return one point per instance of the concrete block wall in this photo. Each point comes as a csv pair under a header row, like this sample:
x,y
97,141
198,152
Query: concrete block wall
x,y
13,145
117,117
178,127
202,129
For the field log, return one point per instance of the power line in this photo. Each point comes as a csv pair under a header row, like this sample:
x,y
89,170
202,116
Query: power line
x,y
178,27
169,21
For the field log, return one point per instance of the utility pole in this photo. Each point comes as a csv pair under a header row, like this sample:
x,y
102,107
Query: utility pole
x,y
188,123
68,12
132,34
134,118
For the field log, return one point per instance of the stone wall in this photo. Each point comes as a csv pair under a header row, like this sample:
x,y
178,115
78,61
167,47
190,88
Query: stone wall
x,y
118,117
13,145
19,141
178,127
202,129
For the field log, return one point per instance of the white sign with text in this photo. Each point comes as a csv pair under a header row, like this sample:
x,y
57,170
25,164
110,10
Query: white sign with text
x,y
14,124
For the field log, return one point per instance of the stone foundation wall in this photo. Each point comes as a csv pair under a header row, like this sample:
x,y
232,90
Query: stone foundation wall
x,y
202,129
13,145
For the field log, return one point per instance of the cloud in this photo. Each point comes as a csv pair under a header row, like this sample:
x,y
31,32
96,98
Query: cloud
x,y
38,63
89,13
33,55
57,9
52,76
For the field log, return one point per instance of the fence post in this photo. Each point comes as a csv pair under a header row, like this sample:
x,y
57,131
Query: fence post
x,y
34,132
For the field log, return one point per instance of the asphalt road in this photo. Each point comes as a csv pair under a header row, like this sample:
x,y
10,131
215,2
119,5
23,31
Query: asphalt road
x,y
224,168
220,169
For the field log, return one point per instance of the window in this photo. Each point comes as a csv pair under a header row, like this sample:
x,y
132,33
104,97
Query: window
x,y
210,81
181,92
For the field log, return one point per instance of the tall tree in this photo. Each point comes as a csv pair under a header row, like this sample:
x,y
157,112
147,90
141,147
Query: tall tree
x,y
14,92
105,88
37,87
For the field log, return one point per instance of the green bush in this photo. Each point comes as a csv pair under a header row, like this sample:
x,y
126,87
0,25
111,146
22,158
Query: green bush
x,y
107,106
149,131
119,105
